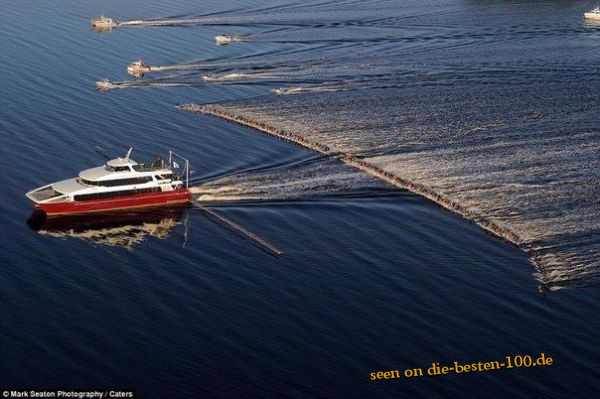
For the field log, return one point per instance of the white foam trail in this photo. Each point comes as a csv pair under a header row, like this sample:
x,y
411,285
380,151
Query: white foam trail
x,y
325,178
514,205
164,22
282,91
229,76
177,67
237,76
133,85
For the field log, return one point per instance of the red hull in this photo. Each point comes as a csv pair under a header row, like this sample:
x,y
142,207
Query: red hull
x,y
166,198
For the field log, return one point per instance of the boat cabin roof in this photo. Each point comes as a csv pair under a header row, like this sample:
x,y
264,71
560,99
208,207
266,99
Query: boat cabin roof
x,y
123,167
121,162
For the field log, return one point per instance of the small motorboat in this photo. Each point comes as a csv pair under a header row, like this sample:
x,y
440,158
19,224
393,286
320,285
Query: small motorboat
x,y
594,14
223,39
104,22
104,85
121,184
138,68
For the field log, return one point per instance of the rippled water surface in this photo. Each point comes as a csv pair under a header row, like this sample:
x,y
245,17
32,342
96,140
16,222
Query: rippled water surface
x,y
491,105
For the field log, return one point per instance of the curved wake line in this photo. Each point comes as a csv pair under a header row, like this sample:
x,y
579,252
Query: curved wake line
x,y
282,91
488,225
163,22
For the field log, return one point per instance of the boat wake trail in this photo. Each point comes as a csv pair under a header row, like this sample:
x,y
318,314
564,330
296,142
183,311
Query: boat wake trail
x,y
165,22
325,15
247,77
180,67
176,80
536,198
315,78
324,178
320,88
451,111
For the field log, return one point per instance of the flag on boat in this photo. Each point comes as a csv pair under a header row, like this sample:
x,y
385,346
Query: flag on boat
x,y
175,165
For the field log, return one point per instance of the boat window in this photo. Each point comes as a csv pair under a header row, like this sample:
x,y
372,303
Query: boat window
x,y
113,194
125,182
165,177
87,182
116,182
116,168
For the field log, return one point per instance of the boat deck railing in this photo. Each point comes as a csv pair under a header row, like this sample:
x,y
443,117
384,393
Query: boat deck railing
x,y
150,167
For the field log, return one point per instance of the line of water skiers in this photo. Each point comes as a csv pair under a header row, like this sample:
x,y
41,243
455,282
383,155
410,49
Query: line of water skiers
x,y
395,180
222,113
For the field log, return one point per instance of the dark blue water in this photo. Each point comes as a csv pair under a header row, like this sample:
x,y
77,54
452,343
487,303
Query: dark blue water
x,y
176,305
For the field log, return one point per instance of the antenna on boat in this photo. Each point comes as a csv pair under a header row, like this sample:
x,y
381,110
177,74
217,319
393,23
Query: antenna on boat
x,y
129,153
187,173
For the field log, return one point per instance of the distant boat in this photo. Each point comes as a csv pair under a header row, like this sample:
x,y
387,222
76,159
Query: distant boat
x,y
104,85
594,14
221,40
104,22
120,184
137,68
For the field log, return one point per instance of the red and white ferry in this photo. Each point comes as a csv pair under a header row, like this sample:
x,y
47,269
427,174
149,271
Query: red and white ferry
x,y
120,184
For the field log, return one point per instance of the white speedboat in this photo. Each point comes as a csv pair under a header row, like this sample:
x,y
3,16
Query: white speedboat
x,y
104,85
221,40
594,14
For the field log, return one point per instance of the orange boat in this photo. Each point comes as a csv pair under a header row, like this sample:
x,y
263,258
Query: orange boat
x,y
138,68
104,22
